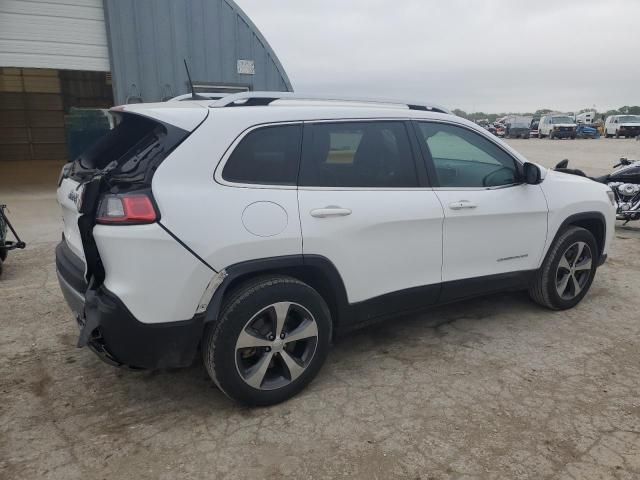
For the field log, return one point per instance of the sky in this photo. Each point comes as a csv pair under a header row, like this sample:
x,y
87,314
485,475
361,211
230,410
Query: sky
x,y
482,55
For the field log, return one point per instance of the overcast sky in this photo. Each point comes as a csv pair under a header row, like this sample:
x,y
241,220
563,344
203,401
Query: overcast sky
x,y
492,56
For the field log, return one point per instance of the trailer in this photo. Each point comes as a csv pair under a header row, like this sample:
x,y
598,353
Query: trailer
x,y
586,118
6,245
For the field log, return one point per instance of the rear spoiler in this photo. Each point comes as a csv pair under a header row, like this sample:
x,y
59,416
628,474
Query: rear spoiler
x,y
184,115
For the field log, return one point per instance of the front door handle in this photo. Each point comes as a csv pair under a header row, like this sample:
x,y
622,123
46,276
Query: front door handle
x,y
330,211
462,204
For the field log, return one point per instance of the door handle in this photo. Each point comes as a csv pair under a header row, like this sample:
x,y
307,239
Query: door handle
x,y
462,204
330,211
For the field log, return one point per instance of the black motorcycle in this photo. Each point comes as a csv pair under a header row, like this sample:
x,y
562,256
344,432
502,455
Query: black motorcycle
x,y
624,181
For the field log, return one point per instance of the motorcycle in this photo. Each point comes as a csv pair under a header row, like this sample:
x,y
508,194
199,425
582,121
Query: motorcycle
x,y
624,181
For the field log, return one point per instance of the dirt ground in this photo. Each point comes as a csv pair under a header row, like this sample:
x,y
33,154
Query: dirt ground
x,y
494,388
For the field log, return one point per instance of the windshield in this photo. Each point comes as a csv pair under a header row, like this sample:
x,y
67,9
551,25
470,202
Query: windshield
x,y
629,119
556,120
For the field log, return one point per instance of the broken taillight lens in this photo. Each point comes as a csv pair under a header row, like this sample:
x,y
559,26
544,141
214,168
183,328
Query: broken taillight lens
x,y
126,209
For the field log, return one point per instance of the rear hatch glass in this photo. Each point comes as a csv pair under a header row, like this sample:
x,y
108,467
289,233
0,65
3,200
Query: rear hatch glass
x,y
123,159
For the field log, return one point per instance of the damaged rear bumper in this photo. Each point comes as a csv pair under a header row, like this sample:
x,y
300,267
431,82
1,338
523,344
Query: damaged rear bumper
x,y
110,330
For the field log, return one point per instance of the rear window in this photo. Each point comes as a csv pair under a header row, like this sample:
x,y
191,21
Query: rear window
x,y
358,154
268,156
133,145
129,130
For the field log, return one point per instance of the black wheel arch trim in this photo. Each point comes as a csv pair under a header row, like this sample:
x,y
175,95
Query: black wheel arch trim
x,y
299,266
576,219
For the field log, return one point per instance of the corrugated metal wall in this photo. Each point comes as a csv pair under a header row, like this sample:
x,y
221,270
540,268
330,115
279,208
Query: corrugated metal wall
x,y
148,40
62,34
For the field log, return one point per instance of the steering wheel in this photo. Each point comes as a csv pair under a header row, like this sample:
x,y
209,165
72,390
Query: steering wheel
x,y
487,178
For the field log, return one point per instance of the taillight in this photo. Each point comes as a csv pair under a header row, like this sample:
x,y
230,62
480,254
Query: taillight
x,y
126,209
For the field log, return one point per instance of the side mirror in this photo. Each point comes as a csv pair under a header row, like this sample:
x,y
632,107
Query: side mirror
x,y
532,174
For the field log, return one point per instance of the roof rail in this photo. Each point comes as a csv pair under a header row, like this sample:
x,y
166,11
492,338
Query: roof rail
x,y
251,99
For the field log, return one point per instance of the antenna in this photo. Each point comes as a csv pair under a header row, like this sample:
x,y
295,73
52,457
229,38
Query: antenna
x,y
194,95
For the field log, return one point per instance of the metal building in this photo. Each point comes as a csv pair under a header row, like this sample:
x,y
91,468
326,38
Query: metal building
x,y
59,54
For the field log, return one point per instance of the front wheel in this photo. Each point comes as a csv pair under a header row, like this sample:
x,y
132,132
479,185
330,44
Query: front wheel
x,y
567,271
271,339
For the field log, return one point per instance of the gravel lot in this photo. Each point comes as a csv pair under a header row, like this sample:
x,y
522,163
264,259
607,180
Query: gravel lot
x,y
494,388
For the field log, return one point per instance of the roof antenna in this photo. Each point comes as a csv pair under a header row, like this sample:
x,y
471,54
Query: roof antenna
x,y
194,95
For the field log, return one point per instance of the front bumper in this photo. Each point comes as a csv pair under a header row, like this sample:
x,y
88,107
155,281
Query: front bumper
x,y
564,133
109,329
629,131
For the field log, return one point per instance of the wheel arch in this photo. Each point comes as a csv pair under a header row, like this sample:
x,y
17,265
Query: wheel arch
x,y
316,271
594,222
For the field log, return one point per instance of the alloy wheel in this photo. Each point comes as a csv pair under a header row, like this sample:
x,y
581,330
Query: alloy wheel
x,y
574,270
276,346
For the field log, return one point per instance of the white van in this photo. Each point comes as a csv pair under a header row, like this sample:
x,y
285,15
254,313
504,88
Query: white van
x,y
622,125
557,125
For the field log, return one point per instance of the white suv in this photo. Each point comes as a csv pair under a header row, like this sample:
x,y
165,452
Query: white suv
x,y
259,226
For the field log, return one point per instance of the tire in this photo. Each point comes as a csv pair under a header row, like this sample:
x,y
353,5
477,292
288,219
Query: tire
x,y
617,134
235,369
549,278
3,253
551,137
1,266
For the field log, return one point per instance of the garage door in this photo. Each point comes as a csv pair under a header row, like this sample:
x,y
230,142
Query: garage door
x,y
61,34
31,115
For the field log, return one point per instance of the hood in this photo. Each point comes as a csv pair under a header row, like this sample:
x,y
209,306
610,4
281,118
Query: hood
x,y
555,176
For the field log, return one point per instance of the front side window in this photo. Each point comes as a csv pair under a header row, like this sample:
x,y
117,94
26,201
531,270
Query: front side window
x,y
268,156
357,154
465,159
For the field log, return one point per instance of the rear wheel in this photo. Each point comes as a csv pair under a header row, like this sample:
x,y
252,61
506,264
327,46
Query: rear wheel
x,y
567,271
3,253
269,342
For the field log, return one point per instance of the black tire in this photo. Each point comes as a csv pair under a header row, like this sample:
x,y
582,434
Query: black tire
x,y
3,253
543,289
219,340
551,137
617,134
0,266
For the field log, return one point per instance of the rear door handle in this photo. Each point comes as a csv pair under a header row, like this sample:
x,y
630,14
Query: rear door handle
x,y
330,211
462,204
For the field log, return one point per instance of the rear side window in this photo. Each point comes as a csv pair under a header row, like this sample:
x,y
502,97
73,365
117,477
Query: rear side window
x,y
357,154
268,156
